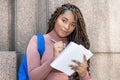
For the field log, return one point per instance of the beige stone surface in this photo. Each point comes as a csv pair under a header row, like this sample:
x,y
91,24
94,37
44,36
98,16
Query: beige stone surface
x,y
114,28
103,28
42,13
25,23
97,23
4,41
7,65
105,66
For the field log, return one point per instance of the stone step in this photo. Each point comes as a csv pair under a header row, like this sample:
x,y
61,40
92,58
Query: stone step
x,y
8,63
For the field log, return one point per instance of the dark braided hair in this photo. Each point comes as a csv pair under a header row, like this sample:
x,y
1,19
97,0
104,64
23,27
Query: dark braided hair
x,y
79,35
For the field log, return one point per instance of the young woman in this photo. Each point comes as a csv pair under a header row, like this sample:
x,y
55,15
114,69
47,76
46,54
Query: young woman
x,y
66,24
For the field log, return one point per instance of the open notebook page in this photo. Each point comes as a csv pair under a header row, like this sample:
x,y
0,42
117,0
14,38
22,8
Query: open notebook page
x,y
72,51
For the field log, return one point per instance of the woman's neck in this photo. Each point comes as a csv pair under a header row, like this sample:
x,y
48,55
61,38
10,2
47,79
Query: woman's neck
x,y
53,35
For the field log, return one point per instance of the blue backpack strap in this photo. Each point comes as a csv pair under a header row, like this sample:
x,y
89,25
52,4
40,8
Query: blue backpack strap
x,y
23,69
41,44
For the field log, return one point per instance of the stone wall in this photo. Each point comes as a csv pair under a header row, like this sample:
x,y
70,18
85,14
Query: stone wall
x,y
21,19
4,41
8,65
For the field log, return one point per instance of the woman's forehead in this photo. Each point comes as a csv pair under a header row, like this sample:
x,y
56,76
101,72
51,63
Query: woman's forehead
x,y
68,15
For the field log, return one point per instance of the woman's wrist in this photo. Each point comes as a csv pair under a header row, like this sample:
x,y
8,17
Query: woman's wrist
x,y
85,77
83,74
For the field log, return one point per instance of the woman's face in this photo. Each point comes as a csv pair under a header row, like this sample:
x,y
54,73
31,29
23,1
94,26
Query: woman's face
x,y
65,24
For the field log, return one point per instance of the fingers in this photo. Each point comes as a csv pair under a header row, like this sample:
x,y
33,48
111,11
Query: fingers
x,y
76,66
85,59
64,45
59,44
77,62
73,67
58,47
81,68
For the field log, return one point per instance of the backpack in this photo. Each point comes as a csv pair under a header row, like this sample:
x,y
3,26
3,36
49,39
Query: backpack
x,y
23,69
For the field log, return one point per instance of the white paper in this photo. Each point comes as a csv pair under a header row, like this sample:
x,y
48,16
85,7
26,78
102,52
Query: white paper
x,y
72,51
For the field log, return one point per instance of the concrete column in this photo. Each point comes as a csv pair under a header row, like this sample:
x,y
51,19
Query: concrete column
x,y
114,31
42,19
25,23
105,66
4,27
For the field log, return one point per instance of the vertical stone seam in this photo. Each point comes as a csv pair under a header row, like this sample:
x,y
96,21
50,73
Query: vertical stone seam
x,y
37,15
9,25
15,24
47,13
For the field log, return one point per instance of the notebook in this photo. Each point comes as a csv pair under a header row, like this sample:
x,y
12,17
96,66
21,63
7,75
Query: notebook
x,y
72,51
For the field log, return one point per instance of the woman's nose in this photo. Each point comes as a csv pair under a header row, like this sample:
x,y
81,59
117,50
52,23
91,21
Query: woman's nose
x,y
66,26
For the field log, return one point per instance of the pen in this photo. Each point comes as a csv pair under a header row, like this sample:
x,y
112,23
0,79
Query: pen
x,y
54,41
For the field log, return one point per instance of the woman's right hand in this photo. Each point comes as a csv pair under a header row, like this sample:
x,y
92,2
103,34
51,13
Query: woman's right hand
x,y
57,48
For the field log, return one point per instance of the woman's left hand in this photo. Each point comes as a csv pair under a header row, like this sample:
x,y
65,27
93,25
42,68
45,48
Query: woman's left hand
x,y
81,68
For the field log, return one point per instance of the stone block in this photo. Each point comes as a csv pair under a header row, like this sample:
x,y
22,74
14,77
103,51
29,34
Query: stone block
x,y
8,65
42,13
105,66
25,23
4,41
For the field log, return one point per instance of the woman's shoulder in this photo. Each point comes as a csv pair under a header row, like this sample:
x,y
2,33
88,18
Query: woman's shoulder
x,y
33,40
34,37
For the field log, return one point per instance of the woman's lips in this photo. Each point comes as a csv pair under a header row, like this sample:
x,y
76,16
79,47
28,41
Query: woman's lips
x,y
64,32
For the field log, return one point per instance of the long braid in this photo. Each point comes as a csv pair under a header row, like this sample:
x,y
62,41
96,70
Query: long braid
x,y
79,35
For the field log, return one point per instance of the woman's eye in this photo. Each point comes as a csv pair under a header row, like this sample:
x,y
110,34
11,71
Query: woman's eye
x,y
73,25
63,20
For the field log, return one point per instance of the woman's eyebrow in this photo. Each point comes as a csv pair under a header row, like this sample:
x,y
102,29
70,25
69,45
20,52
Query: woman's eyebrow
x,y
65,18
68,19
